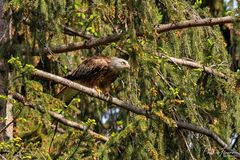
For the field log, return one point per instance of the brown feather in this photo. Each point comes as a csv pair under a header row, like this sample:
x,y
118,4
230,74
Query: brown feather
x,y
91,71
94,72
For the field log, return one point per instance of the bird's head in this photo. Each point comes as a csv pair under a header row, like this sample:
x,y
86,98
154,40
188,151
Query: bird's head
x,y
119,63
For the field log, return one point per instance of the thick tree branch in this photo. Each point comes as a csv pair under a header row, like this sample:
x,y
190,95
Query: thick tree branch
x,y
192,65
116,37
78,45
196,23
184,62
90,91
134,109
61,118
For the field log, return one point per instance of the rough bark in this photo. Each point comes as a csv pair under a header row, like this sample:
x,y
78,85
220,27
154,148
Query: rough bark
x,y
3,102
5,107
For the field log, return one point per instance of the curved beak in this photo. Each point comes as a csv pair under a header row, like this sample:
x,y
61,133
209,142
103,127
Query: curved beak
x,y
127,65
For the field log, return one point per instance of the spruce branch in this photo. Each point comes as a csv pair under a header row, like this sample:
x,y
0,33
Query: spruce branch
x,y
60,118
91,43
93,93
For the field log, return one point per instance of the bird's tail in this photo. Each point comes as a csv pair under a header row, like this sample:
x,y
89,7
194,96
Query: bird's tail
x,y
67,94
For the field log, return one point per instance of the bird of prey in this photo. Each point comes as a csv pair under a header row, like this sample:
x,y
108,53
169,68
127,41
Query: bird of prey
x,y
95,72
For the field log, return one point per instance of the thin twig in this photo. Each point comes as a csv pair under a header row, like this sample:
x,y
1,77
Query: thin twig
x,y
111,23
70,31
189,150
54,134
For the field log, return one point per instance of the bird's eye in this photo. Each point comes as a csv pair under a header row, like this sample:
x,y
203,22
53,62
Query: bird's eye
x,y
123,62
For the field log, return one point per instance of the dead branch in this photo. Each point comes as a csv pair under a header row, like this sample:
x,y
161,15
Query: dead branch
x,y
184,62
60,130
61,118
78,45
192,65
76,125
196,23
70,31
134,109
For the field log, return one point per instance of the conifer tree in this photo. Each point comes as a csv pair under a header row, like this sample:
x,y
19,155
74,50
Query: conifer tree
x,y
179,100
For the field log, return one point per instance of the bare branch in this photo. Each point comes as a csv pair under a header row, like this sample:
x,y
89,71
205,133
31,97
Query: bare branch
x,y
134,109
61,118
3,157
196,23
117,36
192,65
184,62
90,91
60,130
70,31
76,46
187,145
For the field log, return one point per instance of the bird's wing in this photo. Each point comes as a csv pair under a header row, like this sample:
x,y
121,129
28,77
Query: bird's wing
x,y
89,73
89,70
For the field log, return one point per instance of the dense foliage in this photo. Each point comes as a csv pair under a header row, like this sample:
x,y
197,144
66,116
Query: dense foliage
x,y
170,90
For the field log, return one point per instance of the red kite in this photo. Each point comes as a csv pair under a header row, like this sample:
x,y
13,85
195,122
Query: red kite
x,y
95,72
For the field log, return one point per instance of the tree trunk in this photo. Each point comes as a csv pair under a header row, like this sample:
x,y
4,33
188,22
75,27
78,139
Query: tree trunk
x,y
5,107
3,102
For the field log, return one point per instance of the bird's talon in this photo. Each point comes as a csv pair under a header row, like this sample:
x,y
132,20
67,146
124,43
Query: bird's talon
x,y
98,90
108,96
